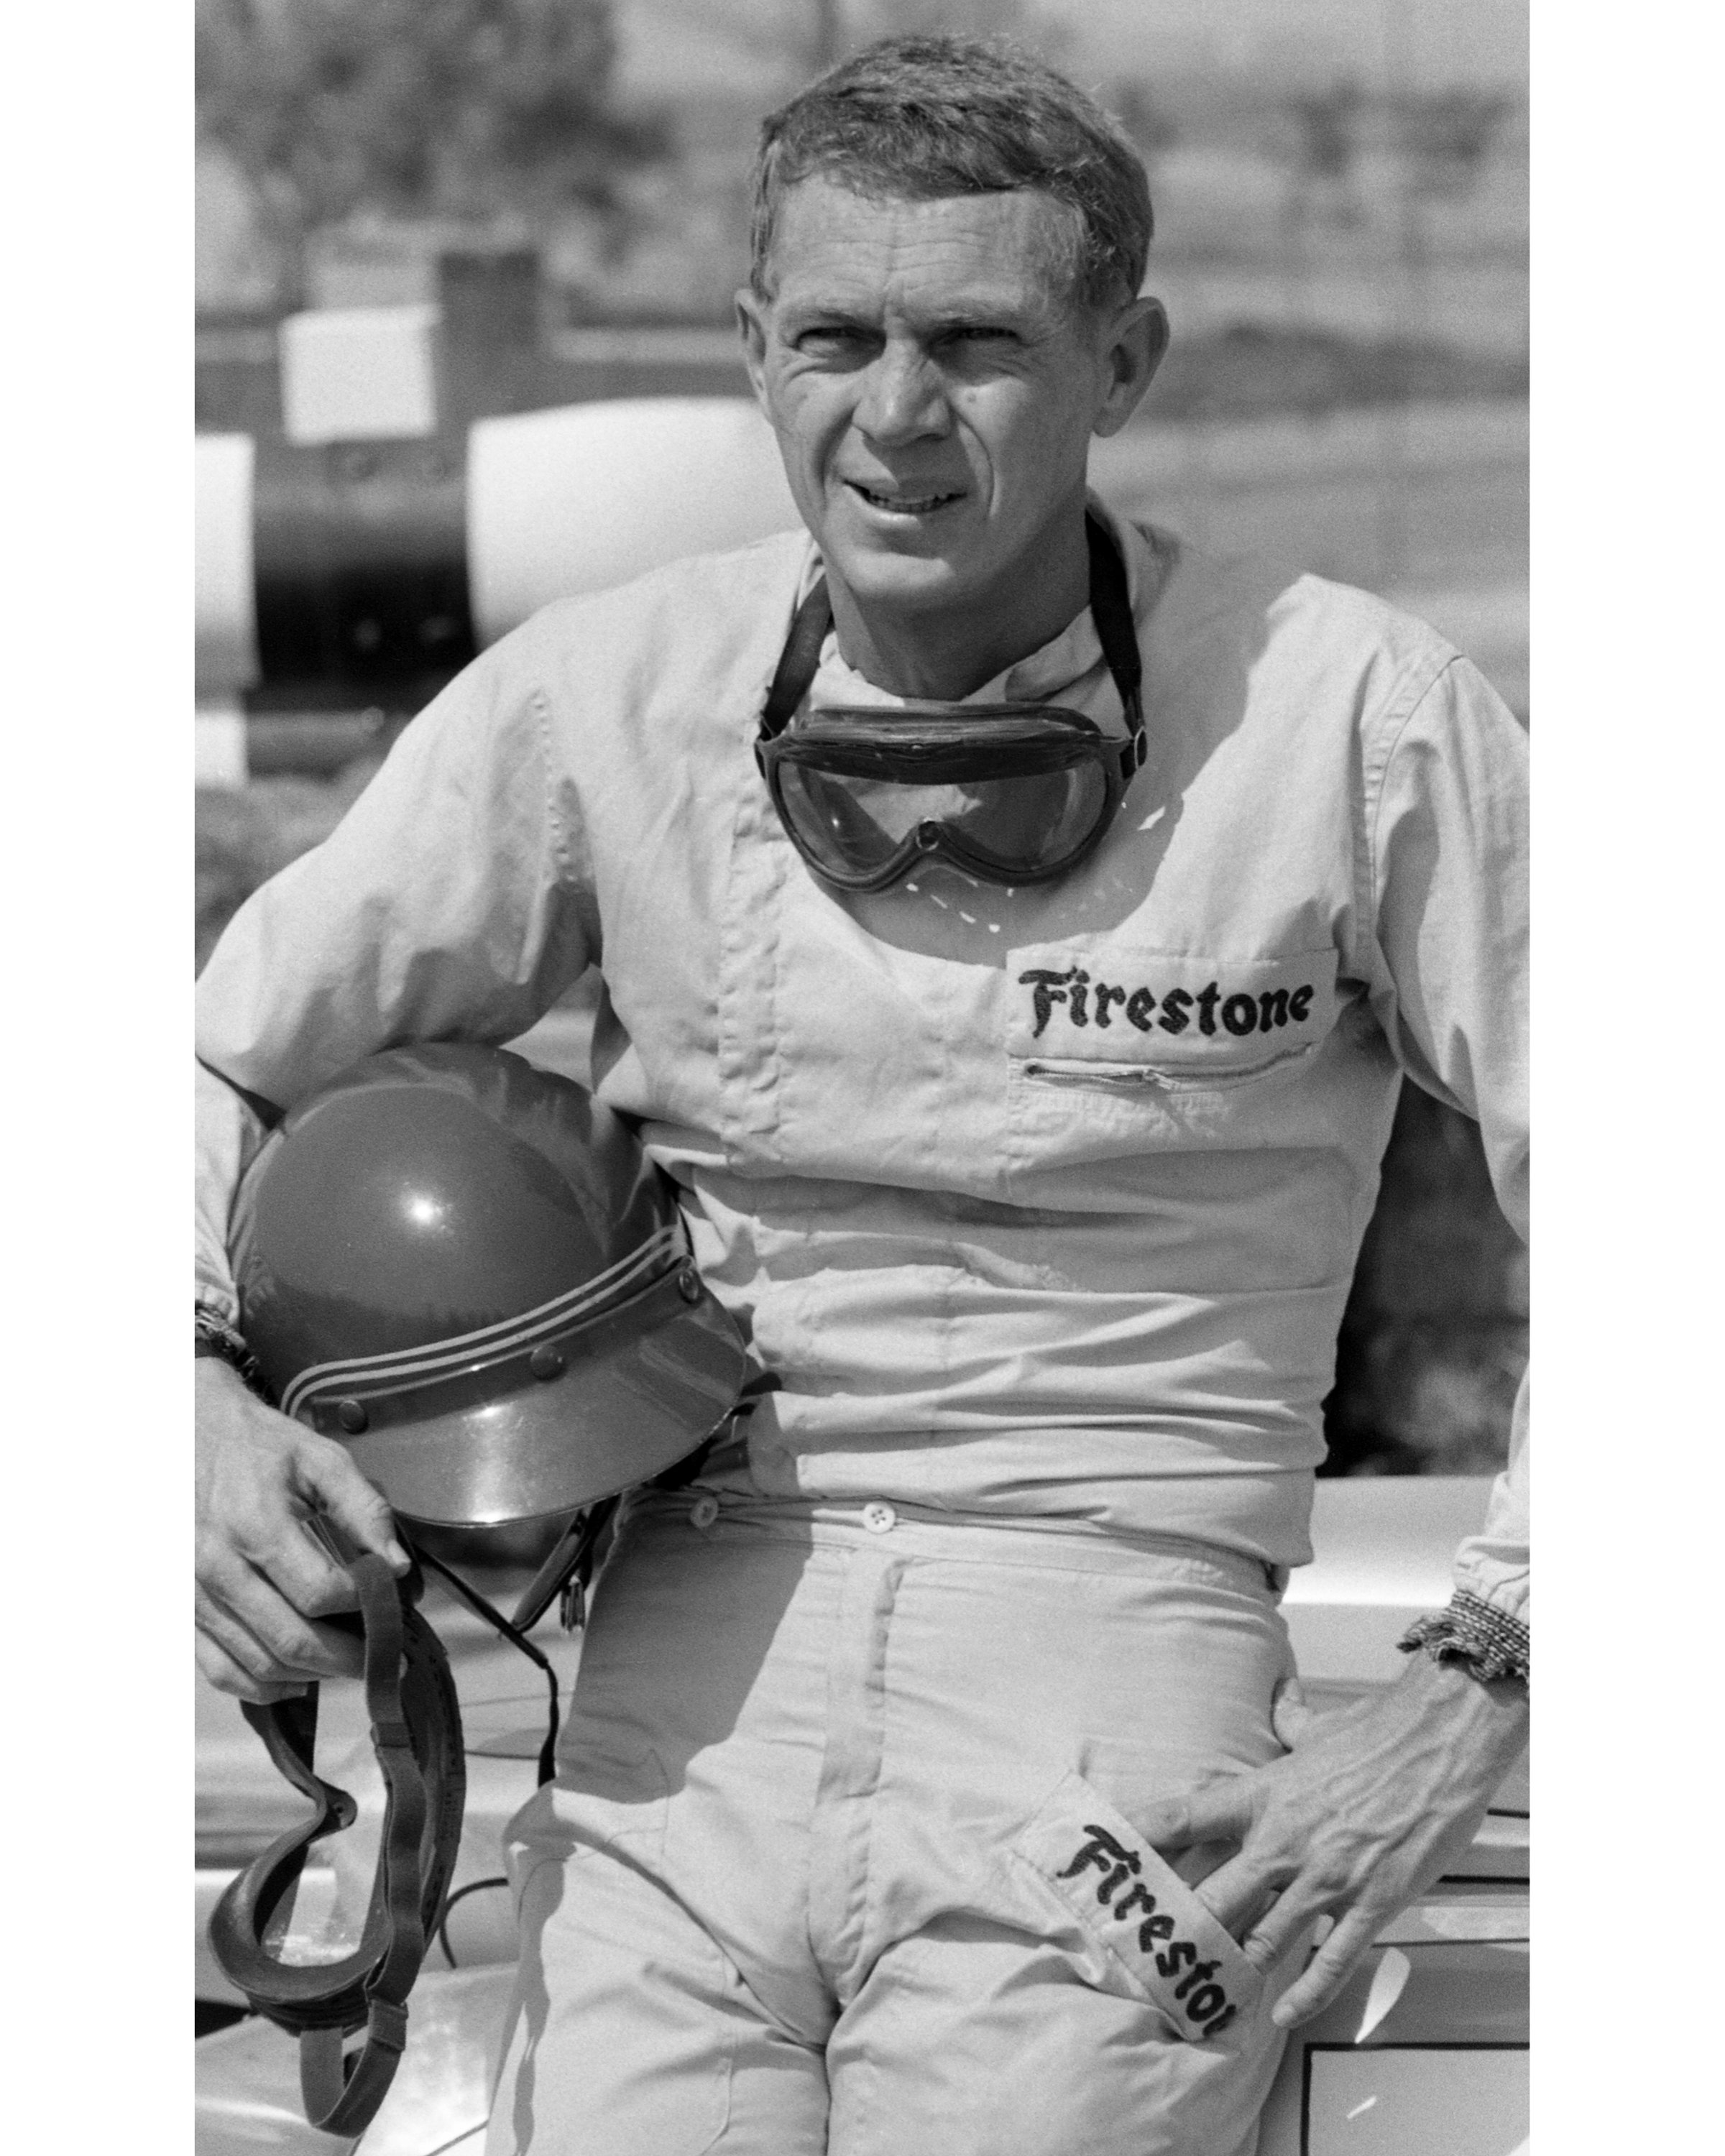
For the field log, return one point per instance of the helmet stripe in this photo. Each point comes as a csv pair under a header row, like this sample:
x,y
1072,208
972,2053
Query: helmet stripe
x,y
663,1252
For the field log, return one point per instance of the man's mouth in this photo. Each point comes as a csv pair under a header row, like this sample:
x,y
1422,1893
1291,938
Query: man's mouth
x,y
901,502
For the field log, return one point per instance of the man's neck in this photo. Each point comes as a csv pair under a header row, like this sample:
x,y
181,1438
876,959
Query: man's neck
x,y
947,652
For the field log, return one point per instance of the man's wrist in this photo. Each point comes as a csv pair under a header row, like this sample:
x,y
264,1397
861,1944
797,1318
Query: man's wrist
x,y
218,1340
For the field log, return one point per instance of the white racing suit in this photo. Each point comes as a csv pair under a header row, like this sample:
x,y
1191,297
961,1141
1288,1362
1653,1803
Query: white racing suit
x,y
1041,1207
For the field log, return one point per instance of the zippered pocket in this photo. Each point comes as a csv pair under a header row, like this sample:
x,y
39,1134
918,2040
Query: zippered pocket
x,y
1139,1078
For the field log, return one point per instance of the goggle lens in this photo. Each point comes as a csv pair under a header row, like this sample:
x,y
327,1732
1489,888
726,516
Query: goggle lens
x,y
1011,792
853,825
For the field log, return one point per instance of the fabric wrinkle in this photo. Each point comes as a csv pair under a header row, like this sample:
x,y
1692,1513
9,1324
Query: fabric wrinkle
x,y
850,1774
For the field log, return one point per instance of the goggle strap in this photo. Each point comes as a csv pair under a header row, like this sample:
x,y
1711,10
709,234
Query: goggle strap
x,y
369,1987
799,662
1110,606
1112,610
1137,749
289,1729
324,2074
343,2091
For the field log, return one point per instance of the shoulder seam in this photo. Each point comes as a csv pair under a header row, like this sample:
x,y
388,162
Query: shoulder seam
x,y
554,822
1397,716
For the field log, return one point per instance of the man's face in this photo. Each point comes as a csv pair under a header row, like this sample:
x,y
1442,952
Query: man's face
x,y
934,393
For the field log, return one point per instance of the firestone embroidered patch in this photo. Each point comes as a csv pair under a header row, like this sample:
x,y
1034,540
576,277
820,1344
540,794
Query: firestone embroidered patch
x,y
1111,1000
1142,1912
1088,1002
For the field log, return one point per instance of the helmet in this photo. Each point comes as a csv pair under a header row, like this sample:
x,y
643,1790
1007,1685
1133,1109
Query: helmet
x,y
466,1269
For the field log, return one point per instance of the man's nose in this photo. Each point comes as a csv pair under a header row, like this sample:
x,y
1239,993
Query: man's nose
x,y
904,399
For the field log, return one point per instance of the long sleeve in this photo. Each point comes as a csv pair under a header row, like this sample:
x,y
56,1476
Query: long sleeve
x,y
1446,794
449,904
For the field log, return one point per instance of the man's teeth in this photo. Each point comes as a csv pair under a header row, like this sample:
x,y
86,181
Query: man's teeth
x,y
903,502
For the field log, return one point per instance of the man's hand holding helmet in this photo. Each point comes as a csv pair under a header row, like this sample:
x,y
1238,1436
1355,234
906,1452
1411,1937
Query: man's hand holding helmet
x,y
471,1294
264,1575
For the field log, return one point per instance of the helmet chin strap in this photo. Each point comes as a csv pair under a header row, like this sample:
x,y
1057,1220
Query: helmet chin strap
x,y
567,1570
516,1632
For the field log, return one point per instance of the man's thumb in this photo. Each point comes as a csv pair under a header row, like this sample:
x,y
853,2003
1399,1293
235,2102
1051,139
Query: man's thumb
x,y
1290,1716
350,1503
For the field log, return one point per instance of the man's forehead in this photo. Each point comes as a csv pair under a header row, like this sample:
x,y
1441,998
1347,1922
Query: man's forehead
x,y
835,244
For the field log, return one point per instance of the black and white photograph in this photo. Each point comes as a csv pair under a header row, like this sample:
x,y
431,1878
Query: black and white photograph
x,y
864,683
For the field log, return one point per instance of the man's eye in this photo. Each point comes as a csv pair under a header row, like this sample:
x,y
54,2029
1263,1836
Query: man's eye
x,y
829,339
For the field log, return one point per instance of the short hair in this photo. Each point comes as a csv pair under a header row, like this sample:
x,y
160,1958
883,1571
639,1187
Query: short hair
x,y
918,118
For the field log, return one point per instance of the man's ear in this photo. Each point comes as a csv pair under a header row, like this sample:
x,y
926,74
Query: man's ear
x,y
1137,339
752,327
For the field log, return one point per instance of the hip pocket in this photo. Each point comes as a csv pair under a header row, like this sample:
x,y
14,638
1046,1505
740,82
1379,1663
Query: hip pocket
x,y
614,1799
1134,1924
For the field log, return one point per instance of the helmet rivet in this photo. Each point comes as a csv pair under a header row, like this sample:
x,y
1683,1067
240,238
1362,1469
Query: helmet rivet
x,y
689,1283
351,1416
546,1363
928,837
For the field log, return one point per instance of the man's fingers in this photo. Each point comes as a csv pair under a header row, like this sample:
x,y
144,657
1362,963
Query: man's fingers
x,y
1291,1716
1216,1811
1241,1890
1331,1967
269,1531
220,1669
1279,1928
233,1661
328,1475
294,1558
278,1506
244,1613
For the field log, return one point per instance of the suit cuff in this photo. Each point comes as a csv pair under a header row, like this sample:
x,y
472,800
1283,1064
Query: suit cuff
x,y
1487,1641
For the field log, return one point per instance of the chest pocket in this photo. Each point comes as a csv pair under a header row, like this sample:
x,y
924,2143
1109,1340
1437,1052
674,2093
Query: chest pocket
x,y
1112,1046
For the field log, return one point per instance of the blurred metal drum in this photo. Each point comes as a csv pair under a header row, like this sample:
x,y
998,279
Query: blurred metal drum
x,y
592,494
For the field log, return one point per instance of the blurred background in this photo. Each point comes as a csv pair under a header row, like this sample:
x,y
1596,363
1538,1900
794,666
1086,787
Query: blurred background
x,y
552,196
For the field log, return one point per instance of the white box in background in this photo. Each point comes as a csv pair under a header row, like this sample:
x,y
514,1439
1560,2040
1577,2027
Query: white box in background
x,y
219,758
227,651
359,374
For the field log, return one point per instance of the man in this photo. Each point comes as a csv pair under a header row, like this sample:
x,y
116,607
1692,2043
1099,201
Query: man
x,y
1029,1119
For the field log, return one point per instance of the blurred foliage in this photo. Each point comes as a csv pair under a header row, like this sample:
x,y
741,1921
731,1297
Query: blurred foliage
x,y
1434,1339
460,108
1328,128
1252,369
244,836
1447,135
1144,117
865,20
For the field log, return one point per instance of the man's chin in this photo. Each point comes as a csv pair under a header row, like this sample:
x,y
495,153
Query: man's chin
x,y
907,574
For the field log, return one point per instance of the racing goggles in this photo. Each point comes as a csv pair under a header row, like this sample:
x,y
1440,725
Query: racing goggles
x,y
1014,794
323,1992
